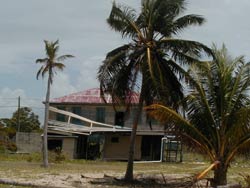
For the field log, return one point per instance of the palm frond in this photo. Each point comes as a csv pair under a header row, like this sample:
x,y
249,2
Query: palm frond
x,y
64,57
243,141
115,74
39,72
51,49
45,70
238,124
193,48
188,20
218,104
168,8
57,65
122,19
164,14
167,115
44,60
114,60
170,90
51,62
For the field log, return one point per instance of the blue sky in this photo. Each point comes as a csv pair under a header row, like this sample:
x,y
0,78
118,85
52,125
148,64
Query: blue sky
x,y
80,26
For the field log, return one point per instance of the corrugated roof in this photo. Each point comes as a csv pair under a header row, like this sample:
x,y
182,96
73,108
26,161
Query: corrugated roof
x,y
90,96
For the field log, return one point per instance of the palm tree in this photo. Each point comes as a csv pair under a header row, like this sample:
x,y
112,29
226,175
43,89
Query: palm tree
x,y
218,110
152,62
50,64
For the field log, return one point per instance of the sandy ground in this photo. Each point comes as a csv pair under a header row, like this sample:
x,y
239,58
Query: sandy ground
x,y
62,180
66,180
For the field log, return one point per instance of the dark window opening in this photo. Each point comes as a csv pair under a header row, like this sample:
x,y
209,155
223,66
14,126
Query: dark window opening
x,y
151,147
100,114
119,118
54,144
115,139
81,150
61,117
78,111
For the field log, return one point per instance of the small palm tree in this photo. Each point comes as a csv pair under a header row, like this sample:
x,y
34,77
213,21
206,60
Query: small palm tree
x,y
218,114
50,64
152,62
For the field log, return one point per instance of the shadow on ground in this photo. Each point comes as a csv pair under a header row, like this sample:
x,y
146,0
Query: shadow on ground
x,y
158,180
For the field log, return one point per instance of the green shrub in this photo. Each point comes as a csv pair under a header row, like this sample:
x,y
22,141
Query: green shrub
x,y
37,157
2,149
246,178
57,155
7,145
11,146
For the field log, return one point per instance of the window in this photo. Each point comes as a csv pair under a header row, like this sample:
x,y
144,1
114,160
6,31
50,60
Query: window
x,y
54,144
114,139
100,114
60,117
119,118
77,110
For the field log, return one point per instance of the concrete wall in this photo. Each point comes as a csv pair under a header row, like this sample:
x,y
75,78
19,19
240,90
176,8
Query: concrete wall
x,y
28,142
119,150
68,147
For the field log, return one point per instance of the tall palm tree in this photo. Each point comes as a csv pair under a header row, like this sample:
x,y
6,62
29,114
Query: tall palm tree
x,y
218,110
152,62
50,64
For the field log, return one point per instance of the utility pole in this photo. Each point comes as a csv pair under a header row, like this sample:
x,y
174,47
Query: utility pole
x,y
18,114
18,122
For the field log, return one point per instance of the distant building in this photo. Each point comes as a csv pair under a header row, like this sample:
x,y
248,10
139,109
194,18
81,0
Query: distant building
x,y
109,139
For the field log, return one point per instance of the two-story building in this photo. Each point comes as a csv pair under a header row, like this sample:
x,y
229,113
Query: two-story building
x,y
85,126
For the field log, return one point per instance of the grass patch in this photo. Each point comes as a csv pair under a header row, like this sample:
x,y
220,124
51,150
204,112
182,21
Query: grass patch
x,y
18,166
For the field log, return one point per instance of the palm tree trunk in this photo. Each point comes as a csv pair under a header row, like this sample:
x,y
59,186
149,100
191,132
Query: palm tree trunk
x,y
220,175
129,172
45,128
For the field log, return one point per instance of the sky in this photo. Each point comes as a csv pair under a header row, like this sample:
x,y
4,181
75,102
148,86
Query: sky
x,y
80,26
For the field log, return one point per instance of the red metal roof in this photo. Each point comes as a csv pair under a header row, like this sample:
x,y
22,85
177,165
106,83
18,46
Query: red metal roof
x,y
90,96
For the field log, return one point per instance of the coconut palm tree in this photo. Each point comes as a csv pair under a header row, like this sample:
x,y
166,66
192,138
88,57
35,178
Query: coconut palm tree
x,y
151,63
50,64
218,110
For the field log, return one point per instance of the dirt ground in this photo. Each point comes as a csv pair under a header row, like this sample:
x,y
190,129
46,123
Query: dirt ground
x,y
66,180
79,174
62,180
73,175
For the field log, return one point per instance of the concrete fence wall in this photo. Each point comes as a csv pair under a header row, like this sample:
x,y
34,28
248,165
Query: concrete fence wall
x,y
28,142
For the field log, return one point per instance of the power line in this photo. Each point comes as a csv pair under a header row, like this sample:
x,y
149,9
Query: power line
x,y
23,98
22,106
33,107
12,98
32,99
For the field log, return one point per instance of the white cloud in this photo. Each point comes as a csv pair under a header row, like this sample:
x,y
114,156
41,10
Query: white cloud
x,y
83,32
84,76
9,102
88,73
61,85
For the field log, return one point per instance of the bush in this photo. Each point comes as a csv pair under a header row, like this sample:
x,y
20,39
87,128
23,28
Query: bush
x,y
57,155
2,149
37,157
11,146
7,145
246,178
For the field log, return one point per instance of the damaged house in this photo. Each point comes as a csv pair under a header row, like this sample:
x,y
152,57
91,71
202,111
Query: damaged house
x,y
85,127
